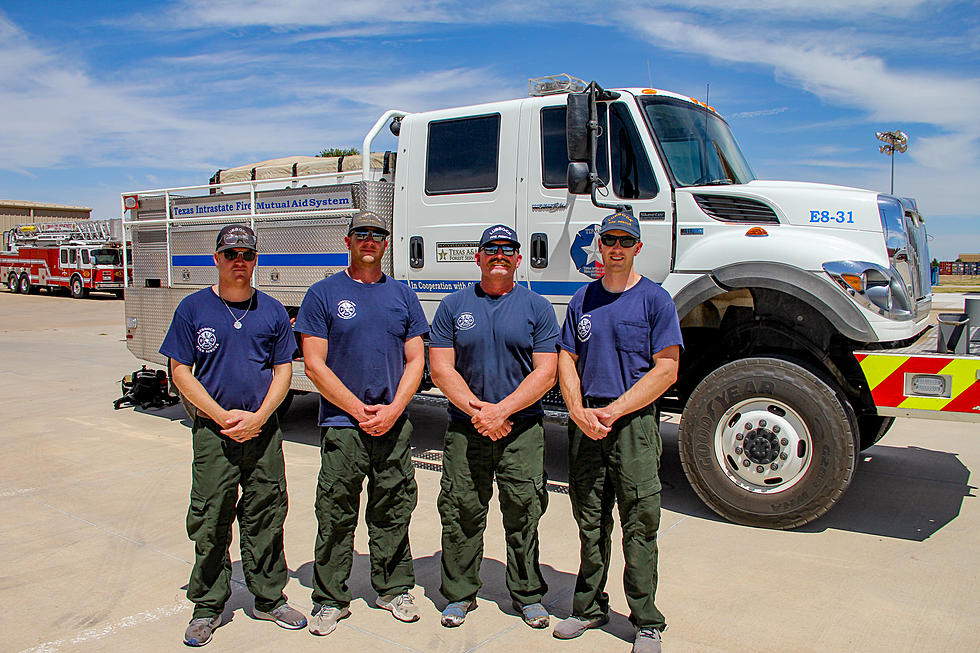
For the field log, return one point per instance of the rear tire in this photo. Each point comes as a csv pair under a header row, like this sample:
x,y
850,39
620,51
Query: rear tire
x,y
751,415
13,284
25,284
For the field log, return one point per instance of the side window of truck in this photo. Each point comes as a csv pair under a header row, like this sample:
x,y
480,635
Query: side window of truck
x,y
554,148
85,258
631,172
64,257
73,256
462,155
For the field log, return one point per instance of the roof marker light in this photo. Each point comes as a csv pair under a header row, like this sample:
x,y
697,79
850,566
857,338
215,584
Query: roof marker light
x,y
756,232
649,91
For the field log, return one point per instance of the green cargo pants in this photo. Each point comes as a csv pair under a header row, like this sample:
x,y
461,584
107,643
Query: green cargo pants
x,y
220,466
347,455
470,462
623,467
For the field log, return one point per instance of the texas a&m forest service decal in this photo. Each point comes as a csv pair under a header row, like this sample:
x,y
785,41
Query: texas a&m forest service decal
x,y
585,252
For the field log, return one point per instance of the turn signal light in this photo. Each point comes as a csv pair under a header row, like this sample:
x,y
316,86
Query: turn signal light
x,y
756,232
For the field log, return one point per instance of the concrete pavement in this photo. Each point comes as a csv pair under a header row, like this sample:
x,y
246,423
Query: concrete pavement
x,y
94,554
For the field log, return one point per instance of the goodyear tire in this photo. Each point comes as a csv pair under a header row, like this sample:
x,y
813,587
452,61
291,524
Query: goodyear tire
x,y
13,284
78,291
765,442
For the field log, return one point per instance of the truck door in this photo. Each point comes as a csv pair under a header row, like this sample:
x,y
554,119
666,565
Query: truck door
x,y
463,179
561,252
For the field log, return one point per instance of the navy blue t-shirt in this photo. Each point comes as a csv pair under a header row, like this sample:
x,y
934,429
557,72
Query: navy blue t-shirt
x,y
494,339
366,326
233,365
615,335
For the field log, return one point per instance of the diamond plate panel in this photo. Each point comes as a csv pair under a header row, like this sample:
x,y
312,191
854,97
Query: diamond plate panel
x,y
153,309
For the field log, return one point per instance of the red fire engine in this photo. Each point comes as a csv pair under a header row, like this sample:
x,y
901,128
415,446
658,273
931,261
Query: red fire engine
x,y
78,256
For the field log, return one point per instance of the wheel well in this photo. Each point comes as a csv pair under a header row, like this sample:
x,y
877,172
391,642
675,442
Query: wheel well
x,y
753,322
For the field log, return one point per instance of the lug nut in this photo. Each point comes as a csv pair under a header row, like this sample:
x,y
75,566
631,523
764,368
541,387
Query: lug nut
x,y
783,441
775,428
745,463
762,423
760,469
774,466
748,426
783,456
738,451
739,436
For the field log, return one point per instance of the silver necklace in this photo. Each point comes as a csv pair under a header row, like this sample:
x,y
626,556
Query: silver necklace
x,y
238,320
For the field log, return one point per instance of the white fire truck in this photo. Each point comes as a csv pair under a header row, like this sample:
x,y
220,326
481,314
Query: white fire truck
x,y
77,256
788,292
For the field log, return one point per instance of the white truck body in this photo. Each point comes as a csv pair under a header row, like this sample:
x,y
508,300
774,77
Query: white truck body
x,y
798,273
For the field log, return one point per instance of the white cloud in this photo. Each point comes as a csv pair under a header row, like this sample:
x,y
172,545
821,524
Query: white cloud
x,y
759,113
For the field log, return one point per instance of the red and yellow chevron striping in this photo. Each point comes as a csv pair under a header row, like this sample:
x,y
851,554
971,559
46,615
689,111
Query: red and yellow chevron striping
x,y
889,377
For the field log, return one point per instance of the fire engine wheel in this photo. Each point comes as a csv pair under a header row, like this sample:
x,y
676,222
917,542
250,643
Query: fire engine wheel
x,y
765,442
78,291
13,284
26,287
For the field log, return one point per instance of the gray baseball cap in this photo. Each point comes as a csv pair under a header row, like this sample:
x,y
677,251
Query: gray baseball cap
x,y
367,220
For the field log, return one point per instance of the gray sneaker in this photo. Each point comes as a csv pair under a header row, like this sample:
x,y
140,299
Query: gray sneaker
x,y
324,619
574,626
401,605
647,641
284,616
199,630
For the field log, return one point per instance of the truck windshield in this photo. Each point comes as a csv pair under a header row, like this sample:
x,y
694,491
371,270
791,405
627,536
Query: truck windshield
x,y
106,257
699,146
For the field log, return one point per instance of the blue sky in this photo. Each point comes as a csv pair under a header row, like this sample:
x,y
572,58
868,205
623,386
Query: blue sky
x,y
98,98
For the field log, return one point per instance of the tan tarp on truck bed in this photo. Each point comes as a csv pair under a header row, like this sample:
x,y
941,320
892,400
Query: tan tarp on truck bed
x,y
301,165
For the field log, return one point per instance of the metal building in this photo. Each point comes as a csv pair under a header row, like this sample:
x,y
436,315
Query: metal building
x,y
13,212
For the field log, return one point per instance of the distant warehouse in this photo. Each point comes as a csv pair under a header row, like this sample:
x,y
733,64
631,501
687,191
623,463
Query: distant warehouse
x,y
13,212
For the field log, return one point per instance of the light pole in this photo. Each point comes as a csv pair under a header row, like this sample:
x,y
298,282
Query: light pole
x,y
894,141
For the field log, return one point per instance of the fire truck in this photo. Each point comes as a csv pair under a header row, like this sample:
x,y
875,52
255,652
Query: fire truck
x,y
77,256
805,307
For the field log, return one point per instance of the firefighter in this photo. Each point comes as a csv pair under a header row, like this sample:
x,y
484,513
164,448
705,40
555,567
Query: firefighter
x,y
619,351
362,342
492,353
231,349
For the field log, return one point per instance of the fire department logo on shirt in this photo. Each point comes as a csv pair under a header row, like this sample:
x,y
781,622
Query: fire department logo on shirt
x,y
584,328
346,309
207,342
465,321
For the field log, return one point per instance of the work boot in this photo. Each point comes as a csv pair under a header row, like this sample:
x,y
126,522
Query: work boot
x,y
401,605
284,616
454,614
647,641
574,626
324,619
534,614
199,630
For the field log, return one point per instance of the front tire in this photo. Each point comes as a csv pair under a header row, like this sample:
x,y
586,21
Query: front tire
x,y
765,442
78,291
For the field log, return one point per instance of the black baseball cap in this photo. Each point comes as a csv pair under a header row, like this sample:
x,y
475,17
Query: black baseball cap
x,y
234,236
499,232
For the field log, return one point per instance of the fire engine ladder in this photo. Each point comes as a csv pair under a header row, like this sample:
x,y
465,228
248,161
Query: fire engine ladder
x,y
59,232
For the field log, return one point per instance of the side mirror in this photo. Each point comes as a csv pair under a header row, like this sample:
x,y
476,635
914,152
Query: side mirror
x,y
577,126
578,178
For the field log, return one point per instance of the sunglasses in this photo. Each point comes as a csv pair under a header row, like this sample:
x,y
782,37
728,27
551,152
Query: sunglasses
x,y
626,241
232,255
364,234
506,250
238,237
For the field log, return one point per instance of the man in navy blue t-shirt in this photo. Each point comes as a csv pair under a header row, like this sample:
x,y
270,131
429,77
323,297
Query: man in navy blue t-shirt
x,y
492,353
231,349
362,343
619,350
